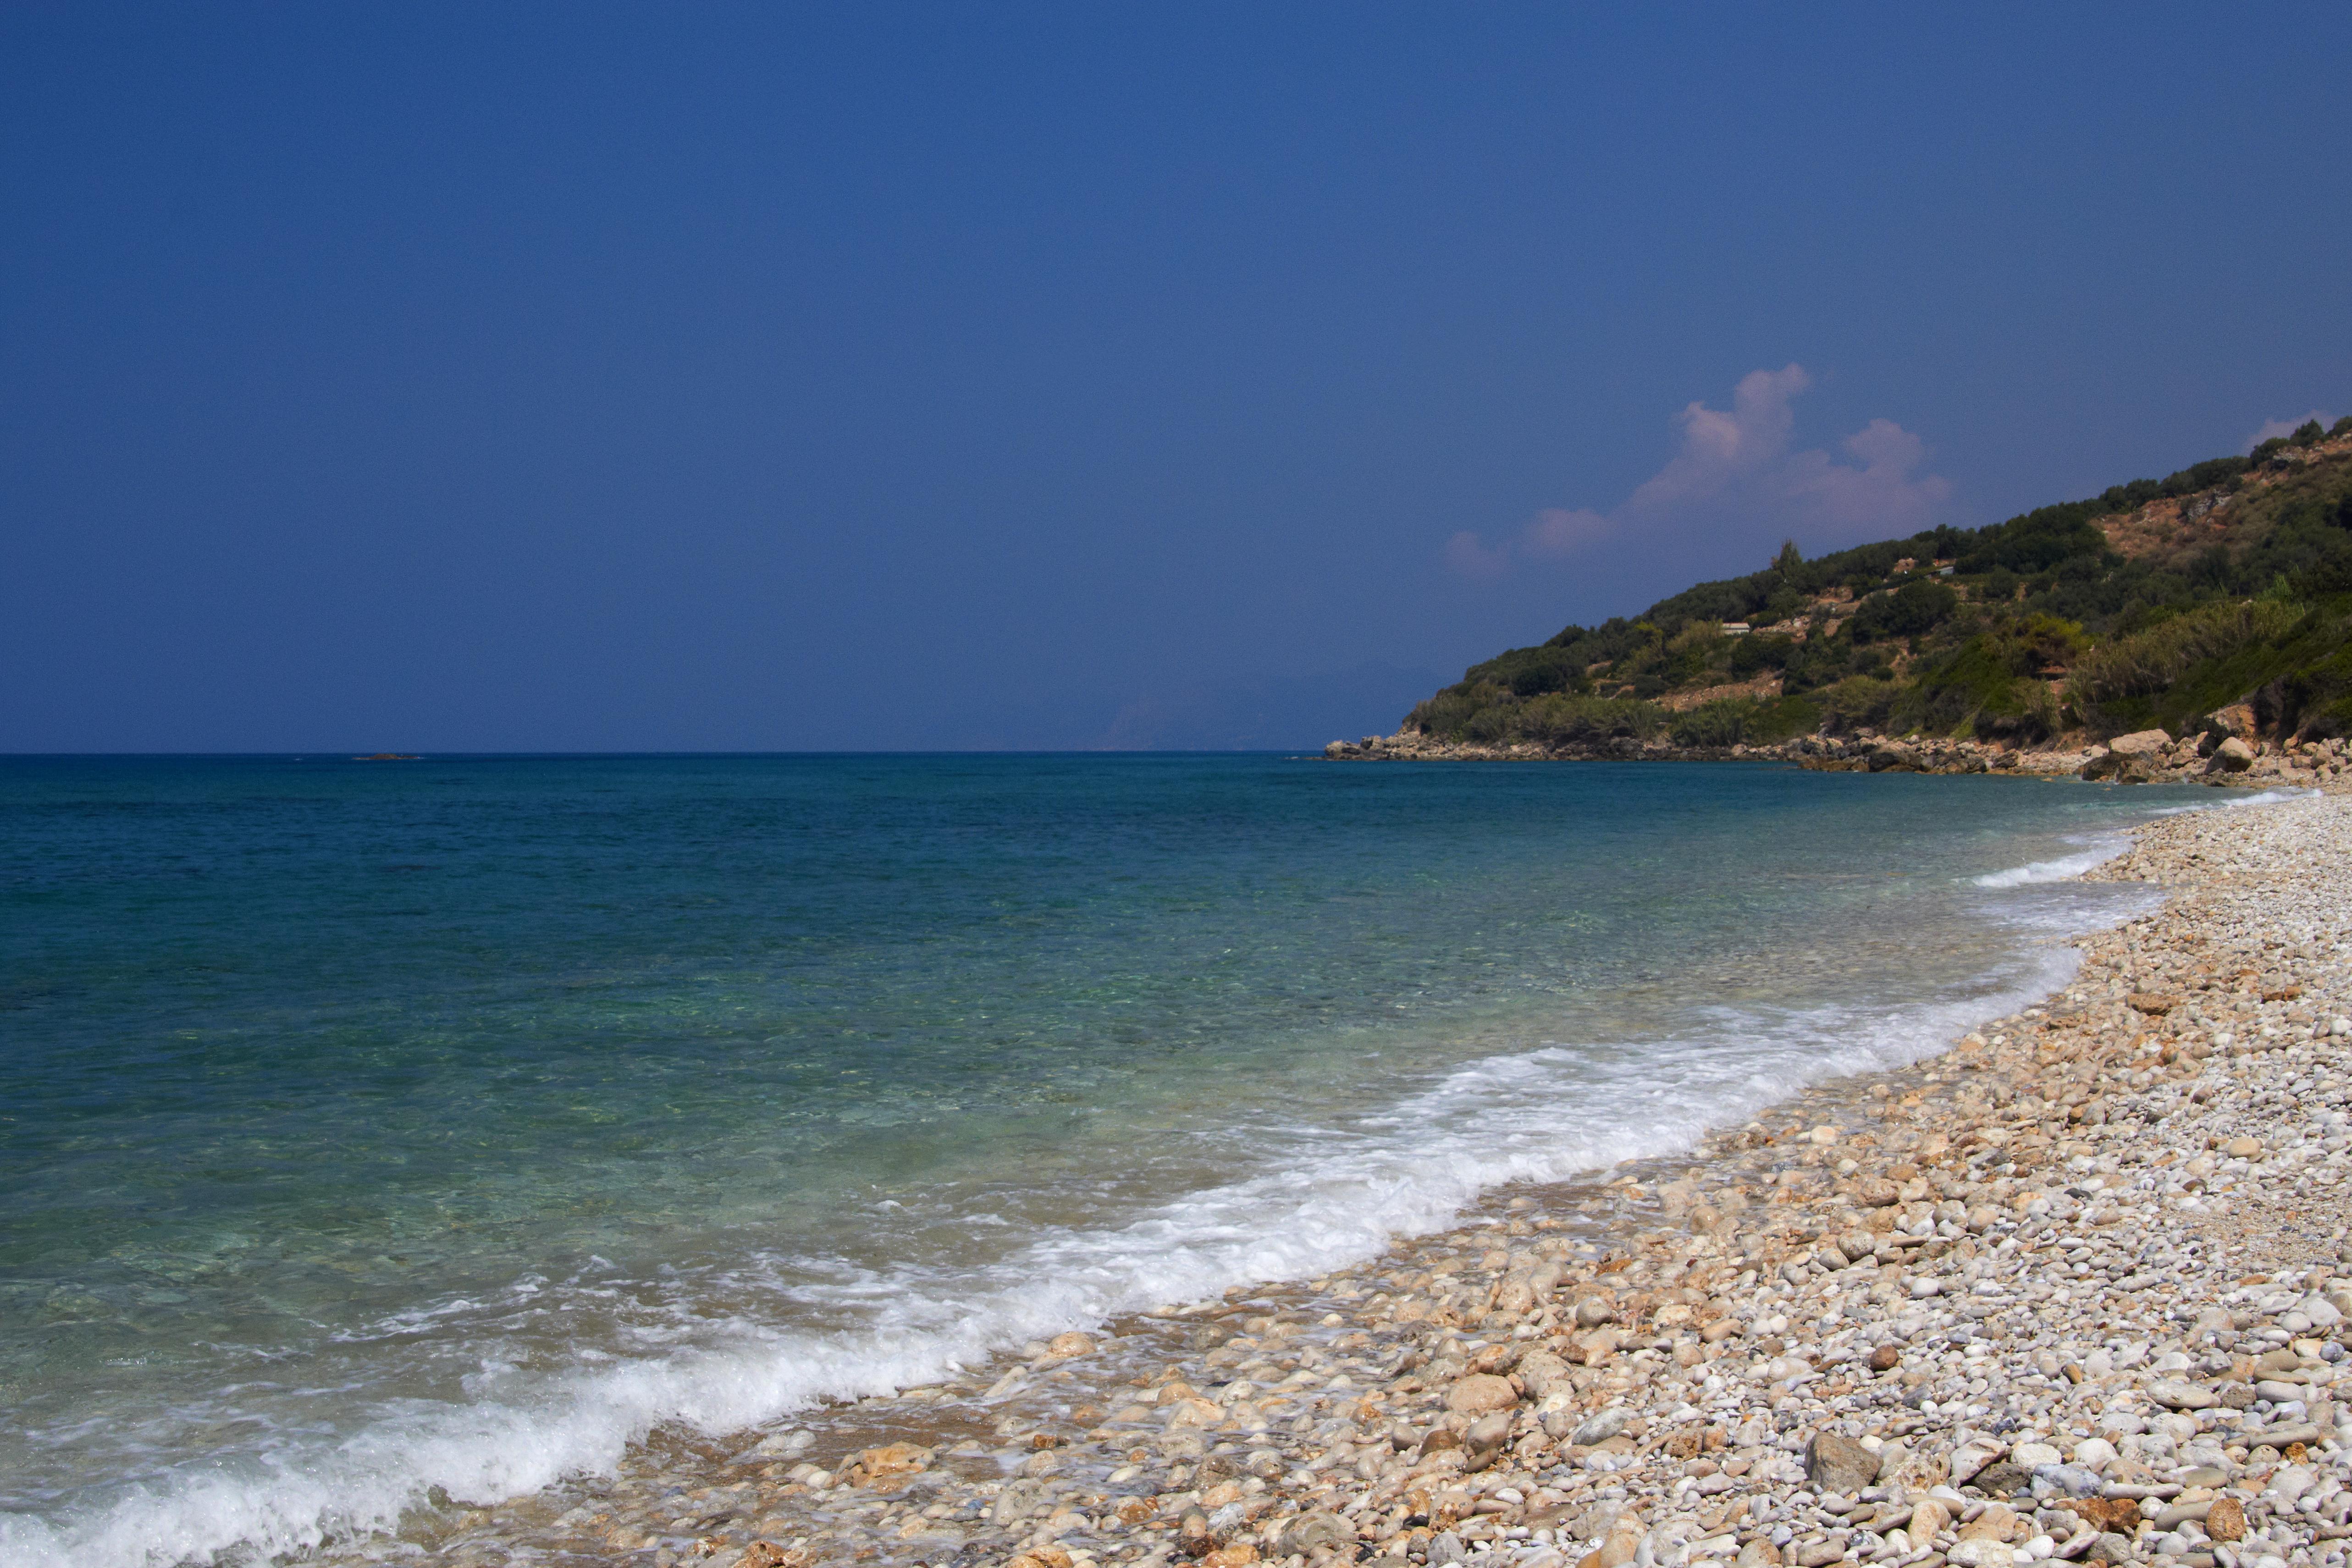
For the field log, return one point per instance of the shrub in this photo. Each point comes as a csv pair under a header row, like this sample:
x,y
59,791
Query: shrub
x,y
1561,720
1910,611
2147,662
1755,652
1857,702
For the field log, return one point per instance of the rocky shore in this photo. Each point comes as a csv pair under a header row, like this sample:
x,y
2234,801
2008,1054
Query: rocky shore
x,y
2077,1290
2227,751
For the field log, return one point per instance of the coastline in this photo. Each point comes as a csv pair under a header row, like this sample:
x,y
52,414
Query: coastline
x,y
1618,1369
2236,755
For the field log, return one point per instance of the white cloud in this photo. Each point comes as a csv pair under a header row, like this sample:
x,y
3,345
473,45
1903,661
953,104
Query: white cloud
x,y
1467,554
2286,427
1556,533
1734,466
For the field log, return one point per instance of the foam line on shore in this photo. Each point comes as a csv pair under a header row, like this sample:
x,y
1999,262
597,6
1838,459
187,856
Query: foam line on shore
x,y
1336,1197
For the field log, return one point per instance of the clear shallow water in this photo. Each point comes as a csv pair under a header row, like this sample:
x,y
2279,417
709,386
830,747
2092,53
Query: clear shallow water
x,y
366,1127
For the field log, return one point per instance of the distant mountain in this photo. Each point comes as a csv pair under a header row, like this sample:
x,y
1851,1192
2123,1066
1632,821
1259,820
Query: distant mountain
x,y
2152,603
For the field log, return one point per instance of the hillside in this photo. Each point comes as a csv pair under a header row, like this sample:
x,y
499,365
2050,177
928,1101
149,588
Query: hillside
x,y
2151,604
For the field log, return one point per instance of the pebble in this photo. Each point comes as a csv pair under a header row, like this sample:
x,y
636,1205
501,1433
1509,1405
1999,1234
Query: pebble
x,y
2075,1290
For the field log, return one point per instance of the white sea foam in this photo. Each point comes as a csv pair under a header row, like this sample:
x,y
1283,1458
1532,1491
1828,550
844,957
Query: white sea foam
x,y
1328,1197
2065,868
2232,802
1317,1198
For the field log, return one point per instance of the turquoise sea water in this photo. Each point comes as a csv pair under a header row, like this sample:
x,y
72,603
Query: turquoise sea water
x,y
367,1127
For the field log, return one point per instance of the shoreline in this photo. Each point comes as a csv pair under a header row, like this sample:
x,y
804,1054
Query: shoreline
x,y
2215,756
1617,1369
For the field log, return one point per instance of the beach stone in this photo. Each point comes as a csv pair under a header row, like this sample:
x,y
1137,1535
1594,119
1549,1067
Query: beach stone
x,y
1973,1457
1069,1344
2003,1478
1487,1432
2232,756
1760,1553
1232,1554
1310,1532
1480,1393
2072,1480
891,1466
2178,1396
2244,1148
2111,1549
1602,1426
1885,1358
1996,1522
2094,1453
1047,1556
1618,1550
768,1554
1982,1552
1835,1464
1929,1519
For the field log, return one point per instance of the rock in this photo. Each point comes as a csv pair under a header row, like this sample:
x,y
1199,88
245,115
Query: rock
x,y
1310,1532
1036,1557
1982,1555
1070,1344
1594,1311
2231,756
2111,1549
2139,743
2107,1513
1480,1393
1600,1428
2094,1453
1194,1536
2244,1148
2033,1456
2003,1478
2177,1396
1234,1555
1885,1358
1760,1553
768,1554
1996,1522
1616,1551
2227,1520
2069,1481
2155,1003
1835,1464
1971,1456
892,1466
1488,1431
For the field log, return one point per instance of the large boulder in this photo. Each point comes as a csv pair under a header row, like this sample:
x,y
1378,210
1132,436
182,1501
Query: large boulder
x,y
2139,743
2231,756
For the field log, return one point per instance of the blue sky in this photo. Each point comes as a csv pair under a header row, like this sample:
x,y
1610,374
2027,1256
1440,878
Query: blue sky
x,y
579,377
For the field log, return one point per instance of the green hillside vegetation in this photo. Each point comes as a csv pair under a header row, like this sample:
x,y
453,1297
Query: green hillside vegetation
x,y
2151,604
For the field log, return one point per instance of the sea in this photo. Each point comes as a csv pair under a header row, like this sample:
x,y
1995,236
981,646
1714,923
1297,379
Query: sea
x,y
369,1127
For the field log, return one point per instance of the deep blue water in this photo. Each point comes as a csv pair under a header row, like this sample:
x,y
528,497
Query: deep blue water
x,y
370,1126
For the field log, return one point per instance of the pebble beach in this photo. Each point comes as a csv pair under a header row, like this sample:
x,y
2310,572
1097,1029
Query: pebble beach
x,y
2076,1289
